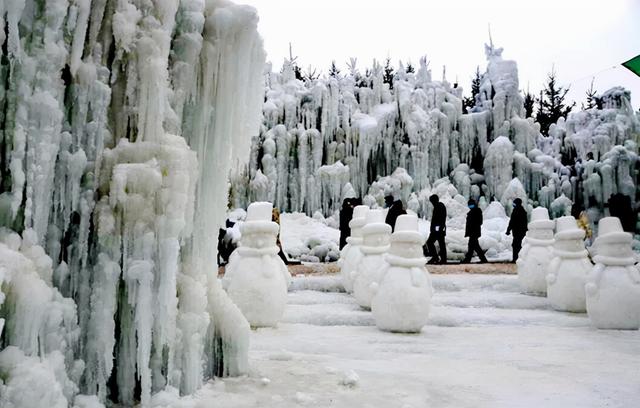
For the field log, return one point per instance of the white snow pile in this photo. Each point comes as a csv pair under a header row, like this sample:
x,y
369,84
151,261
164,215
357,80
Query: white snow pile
x,y
308,239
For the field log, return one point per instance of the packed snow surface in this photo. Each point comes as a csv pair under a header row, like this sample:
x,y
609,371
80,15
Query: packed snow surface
x,y
485,345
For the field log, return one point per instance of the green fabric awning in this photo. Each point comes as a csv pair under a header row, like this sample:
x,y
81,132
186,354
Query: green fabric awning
x,y
633,65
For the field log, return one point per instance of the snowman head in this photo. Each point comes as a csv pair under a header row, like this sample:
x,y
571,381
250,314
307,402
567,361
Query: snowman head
x,y
375,232
258,231
358,221
406,241
569,237
540,226
612,241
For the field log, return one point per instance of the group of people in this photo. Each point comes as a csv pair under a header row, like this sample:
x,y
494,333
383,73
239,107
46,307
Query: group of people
x,y
472,230
438,231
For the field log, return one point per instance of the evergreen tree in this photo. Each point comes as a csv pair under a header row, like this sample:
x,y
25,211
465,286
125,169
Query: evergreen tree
x,y
312,74
470,102
592,98
551,104
294,64
529,104
410,69
333,70
388,73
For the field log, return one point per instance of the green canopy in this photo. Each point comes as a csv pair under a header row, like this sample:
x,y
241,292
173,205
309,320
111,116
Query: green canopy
x,y
633,65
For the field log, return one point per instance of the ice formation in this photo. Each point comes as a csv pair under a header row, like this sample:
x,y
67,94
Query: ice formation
x,y
351,254
354,133
569,267
613,286
536,253
402,299
119,125
375,244
256,279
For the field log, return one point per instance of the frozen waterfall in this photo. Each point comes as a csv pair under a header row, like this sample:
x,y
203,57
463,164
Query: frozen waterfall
x,y
118,122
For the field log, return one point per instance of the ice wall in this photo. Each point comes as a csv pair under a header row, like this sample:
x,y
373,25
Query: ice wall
x,y
418,126
119,122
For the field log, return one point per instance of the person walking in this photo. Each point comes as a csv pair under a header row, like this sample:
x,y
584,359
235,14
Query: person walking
x,y
346,213
395,210
517,225
437,231
473,231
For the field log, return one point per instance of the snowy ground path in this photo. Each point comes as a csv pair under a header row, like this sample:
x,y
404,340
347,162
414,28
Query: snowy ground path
x,y
486,345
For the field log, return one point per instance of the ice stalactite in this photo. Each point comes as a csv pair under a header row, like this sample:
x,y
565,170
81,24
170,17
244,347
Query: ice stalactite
x,y
498,166
120,123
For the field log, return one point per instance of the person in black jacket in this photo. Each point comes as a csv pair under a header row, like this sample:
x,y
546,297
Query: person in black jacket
x,y
517,224
346,214
437,231
395,210
472,230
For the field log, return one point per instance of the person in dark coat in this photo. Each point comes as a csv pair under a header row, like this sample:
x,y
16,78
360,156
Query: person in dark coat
x,y
395,210
346,213
620,206
437,231
472,230
517,225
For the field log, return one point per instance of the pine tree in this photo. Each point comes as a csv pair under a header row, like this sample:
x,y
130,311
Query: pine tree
x,y
529,104
592,98
410,69
551,104
294,64
388,73
470,102
333,70
311,74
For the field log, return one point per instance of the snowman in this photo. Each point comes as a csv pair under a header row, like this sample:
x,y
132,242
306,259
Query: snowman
x,y
256,279
351,254
402,300
375,243
613,286
536,253
569,267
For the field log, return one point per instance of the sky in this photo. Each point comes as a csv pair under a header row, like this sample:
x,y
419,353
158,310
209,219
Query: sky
x,y
581,39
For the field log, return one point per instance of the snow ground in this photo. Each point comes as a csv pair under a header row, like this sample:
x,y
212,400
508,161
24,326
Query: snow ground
x,y
486,345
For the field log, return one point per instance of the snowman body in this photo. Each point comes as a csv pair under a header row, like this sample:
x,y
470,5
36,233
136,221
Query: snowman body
x,y
568,269
536,253
613,286
351,254
376,238
402,300
256,279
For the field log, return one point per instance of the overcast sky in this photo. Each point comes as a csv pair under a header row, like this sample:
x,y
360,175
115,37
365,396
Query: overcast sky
x,y
582,38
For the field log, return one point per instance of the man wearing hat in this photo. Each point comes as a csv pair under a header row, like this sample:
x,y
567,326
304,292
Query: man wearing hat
x,y
517,224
